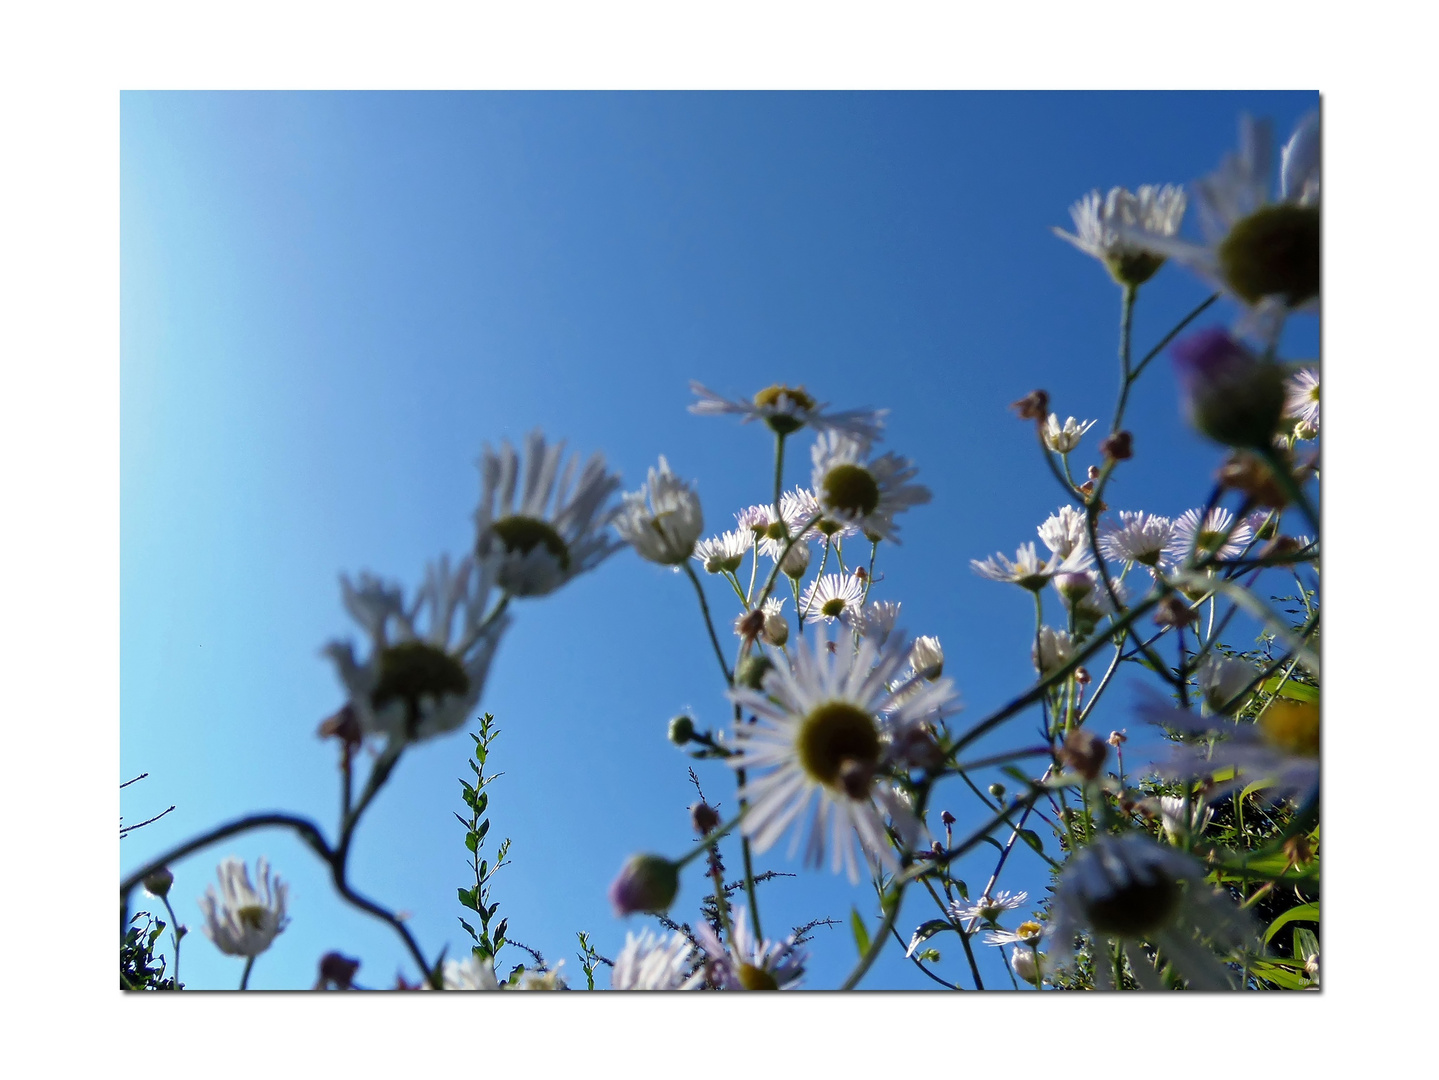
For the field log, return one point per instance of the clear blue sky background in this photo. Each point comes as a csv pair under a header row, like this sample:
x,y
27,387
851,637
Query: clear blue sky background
x,y
330,302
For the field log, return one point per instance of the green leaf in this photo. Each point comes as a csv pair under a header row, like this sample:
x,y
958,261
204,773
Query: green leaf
x,y
1030,837
482,803
861,935
1294,691
484,828
1304,912
472,841
469,930
1306,945
468,899
1279,975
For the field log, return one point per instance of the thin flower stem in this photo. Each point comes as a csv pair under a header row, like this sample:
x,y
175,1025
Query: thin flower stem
x,y
1126,377
959,929
245,978
175,933
1167,338
917,962
778,473
709,623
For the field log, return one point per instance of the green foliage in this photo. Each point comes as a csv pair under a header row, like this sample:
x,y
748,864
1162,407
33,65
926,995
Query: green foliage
x,y
140,967
488,939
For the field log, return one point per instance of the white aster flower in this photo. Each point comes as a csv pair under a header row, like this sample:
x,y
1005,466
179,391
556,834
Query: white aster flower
x,y
1221,680
471,973
1302,401
663,519
826,731
724,552
1280,749
799,507
1263,252
1026,965
877,620
1107,227
833,596
987,908
749,963
555,530
1205,539
926,658
1064,439
650,962
1027,933
787,409
864,493
1177,824
243,920
1052,650
1132,889
1065,531
1139,538
420,678
1028,570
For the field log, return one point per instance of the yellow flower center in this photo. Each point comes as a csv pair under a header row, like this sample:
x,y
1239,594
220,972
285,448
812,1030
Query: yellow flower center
x,y
1291,726
1029,930
252,916
773,397
851,488
524,534
832,735
1273,252
832,608
753,978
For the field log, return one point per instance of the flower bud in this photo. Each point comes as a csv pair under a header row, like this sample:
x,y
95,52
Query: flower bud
x,y
1025,964
776,629
1033,406
1084,752
1118,447
337,970
796,560
752,670
682,730
1230,395
647,883
704,817
1074,586
1172,611
997,790
946,817
749,624
159,882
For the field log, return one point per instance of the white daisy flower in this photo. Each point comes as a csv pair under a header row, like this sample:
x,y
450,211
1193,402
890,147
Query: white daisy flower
x,y
663,519
1139,538
1188,533
756,519
1052,650
414,683
833,596
1028,570
1026,933
1064,439
243,920
1107,226
749,963
1177,825
987,908
1280,748
926,658
864,493
471,973
1264,252
724,552
823,738
877,620
799,507
555,530
1131,889
787,409
1065,531
1302,400
649,962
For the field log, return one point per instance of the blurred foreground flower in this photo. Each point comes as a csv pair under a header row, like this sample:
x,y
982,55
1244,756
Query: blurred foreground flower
x,y
1229,394
414,685
1135,891
749,963
556,530
242,921
649,962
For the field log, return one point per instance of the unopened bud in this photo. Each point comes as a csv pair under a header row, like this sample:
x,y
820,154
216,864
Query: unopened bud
x,y
1081,676
704,817
796,560
338,971
1084,752
1025,964
776,629
1034,406
1074,586
752,670
647,883
1172,611
1117,738
682,730
1230,395
159,882
997,790
946,817
1118,447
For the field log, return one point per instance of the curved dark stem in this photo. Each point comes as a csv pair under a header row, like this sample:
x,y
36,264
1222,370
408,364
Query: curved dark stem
x,y
709,624
917,962
1167,338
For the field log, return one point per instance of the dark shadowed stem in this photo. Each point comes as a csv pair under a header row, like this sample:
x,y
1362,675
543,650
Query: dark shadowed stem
x,y
917,962
709,623
959,928
245,978
1126,377
1167,338
175,933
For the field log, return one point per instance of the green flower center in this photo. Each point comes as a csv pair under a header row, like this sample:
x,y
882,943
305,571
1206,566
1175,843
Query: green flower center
x,y
832,735
851,488
524,534
1133,267
771,397
252,916
1273,252
776,530
1292,726
1137,910
413,669
832,608
753,978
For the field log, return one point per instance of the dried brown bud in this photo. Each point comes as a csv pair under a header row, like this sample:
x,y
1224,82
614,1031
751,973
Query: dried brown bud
x,y
343,725
1172,611
750,625
946,817
1118,447
1084,752
1247,472
337,971
704,817
1117,738
1081,676
1033,406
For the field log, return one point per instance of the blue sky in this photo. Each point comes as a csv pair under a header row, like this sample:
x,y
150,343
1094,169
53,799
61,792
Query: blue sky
x,y
329,303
